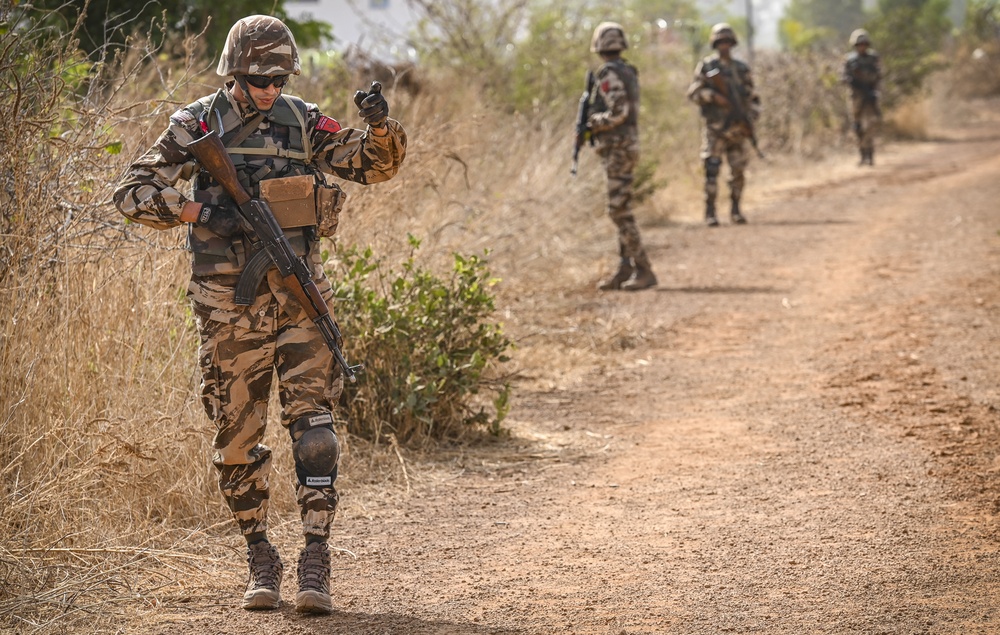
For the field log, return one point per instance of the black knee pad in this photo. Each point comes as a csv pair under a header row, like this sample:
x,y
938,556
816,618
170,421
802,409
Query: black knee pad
x,y
713,165
315,449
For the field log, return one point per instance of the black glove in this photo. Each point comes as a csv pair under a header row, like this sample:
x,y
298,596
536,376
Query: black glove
x,y
372,106
223,219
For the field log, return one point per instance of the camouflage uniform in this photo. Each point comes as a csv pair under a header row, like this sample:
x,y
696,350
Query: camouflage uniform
x,y
613,123
721,137
242,346
863,73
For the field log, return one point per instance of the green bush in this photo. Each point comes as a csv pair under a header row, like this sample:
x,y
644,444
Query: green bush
x,y
432,356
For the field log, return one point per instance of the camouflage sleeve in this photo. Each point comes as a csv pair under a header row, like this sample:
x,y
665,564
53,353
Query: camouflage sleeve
x,y
752,98
611,88
146,193
355,155
699,92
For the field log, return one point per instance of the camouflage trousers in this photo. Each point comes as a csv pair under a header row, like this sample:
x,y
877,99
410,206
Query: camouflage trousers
x,y
620,156
867,119
242,348
731,144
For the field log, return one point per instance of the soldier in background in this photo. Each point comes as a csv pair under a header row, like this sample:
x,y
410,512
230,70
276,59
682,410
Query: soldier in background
x,y
723,134
614,125
276,142
863,72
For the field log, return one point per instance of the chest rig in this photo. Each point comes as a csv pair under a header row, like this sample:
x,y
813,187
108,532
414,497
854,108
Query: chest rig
x,y
273,158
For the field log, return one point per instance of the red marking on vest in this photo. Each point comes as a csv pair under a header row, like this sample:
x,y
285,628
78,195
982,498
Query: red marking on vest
x,y
605,85
327,124
204,126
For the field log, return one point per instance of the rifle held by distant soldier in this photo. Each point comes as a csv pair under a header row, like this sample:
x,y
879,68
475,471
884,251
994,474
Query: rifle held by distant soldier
x,y
738,113
582,133
273,248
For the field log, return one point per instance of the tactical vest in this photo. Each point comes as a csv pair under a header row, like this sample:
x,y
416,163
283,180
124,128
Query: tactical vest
x,y
630,77
258,158
862,70
736,74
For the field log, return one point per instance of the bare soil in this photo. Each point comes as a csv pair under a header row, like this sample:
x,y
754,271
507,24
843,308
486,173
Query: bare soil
x,y
796,432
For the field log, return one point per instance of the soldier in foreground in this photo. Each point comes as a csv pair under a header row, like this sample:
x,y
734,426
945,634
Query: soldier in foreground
x,y
613,124
283,149
863,73
723,88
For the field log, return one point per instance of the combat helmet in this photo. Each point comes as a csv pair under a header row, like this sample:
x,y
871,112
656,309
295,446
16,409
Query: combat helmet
x,y
609,37
259,45
860,36
722,31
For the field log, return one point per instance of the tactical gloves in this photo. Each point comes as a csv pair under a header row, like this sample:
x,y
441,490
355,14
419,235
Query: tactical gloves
x,y
223,219
372,106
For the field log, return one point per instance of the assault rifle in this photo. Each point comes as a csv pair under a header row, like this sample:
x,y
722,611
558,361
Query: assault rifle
x,y
271,246
582,134
737,109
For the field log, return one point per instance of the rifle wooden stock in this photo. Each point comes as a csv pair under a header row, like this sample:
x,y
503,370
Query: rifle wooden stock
x,y
214,158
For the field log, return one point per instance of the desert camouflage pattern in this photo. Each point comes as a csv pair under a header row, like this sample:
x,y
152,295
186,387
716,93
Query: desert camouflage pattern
x,y
721,138
242,347
259,45
614,124
863,73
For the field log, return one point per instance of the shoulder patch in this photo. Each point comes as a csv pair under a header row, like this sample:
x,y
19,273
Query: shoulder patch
x,y
327,124
605,86
183,118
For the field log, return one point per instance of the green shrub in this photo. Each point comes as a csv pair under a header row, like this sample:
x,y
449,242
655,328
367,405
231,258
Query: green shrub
x,y
432,356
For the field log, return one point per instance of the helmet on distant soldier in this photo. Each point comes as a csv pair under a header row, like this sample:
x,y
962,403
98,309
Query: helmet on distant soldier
x,y
609,37
259,45
722,32
860,36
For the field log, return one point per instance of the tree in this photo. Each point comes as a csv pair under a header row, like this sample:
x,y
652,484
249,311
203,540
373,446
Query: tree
x,y
821,21
106,24
909,34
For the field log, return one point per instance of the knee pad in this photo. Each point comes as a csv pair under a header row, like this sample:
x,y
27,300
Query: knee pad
x,y
713,165
315,449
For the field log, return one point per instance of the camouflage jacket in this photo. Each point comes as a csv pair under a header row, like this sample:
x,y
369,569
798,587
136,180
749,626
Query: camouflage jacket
x,y
293,139
614,101
862,72
737,75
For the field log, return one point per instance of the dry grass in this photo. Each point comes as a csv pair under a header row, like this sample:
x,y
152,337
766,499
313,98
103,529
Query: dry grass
x,y
107,495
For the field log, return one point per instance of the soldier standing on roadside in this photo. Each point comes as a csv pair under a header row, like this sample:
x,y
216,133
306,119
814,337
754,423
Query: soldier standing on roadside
x,y
614,125
277,142
863,72
723,135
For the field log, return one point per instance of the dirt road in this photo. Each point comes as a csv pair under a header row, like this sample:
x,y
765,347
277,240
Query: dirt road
x,y
797,432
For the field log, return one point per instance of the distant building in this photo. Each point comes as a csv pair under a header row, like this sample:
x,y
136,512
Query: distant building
x,y
376,26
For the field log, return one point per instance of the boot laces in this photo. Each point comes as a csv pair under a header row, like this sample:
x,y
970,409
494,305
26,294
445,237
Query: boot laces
x,y
314,567
265,566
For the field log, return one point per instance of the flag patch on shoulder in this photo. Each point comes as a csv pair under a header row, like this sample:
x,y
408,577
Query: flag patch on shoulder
x,y
327,124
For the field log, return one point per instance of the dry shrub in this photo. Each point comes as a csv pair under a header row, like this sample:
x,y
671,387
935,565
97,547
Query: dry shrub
x,y
908,120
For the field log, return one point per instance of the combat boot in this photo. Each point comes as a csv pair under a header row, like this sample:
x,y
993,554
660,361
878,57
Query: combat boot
x,y
710,218
734,213
625,271
314,580
643,277
871,156
265,577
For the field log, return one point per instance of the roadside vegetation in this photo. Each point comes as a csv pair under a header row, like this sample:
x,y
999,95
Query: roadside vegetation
x,y
104,447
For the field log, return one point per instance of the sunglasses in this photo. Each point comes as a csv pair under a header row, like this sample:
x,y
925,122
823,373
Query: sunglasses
x,y
263,81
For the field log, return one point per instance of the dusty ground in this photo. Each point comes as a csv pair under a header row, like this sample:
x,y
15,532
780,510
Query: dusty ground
x,y
797,432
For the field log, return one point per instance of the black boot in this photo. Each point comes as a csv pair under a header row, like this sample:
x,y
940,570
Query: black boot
x,y
710,218
734,213
643,277
625,271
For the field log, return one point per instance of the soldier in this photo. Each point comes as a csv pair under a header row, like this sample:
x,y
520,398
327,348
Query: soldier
x,y
613,125
863,72
277,143
725,134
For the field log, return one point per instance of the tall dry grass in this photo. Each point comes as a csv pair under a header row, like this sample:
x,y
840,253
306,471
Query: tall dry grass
x,y
104,448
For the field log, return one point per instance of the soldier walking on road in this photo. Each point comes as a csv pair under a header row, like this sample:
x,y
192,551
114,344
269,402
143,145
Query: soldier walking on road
x,y
728,125
278,143
613,124
863,73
